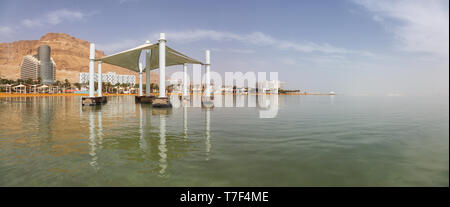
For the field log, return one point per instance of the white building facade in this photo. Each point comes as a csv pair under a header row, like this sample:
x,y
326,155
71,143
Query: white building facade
x,y
109,77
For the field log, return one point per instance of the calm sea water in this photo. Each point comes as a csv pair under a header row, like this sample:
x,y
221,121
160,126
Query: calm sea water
x,y
312,141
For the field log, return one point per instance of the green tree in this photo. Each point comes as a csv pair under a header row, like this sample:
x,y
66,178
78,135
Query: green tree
x,y
67,83
77,85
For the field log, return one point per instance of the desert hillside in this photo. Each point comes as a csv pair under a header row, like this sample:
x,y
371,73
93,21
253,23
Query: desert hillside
x,y
70,54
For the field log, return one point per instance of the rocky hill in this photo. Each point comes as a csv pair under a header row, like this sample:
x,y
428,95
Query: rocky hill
x,y
70,54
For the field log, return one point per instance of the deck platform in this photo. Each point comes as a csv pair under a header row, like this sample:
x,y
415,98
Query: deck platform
x,y
144,99
161,102
93,101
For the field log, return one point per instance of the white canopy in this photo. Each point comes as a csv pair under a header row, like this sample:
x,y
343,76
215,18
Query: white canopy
x,y
130,58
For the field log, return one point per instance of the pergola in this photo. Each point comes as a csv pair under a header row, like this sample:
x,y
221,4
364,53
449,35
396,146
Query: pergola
x,y
7,87
157,55
21,87
43,88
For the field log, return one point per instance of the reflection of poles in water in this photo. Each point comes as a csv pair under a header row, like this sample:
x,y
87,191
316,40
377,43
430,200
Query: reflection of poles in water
x,y
100,129
332,99
162,144
92,144
207,132
185,120
142,142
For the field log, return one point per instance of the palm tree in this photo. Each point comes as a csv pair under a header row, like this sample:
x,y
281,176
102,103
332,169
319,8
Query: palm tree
x,y
67,83
154,87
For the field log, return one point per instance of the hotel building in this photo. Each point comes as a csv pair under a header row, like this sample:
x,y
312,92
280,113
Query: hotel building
x,y
109,77
39,65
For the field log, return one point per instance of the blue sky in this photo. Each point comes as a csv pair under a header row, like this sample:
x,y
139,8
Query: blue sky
x,y
355,47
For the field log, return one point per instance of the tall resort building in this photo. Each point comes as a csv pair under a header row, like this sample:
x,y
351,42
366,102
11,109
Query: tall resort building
x,y
39,65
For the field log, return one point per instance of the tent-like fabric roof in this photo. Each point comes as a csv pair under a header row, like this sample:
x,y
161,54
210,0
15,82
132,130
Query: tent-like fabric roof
x,y
130,58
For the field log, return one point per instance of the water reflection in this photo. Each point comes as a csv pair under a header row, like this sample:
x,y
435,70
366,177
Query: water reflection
x,y
162,144
46,116
92,143
142,141
100,128
120,132
185,129
207,132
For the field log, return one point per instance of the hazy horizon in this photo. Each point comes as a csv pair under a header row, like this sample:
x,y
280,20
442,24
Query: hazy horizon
x,y
353,47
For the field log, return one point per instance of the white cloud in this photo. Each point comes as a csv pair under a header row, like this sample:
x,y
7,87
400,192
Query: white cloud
x,y
6,31
258,39
420,26
255,38
54,18
233,50
119,45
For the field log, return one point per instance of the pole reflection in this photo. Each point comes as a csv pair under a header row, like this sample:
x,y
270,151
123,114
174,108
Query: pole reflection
x,y
207,132
162,145
142,141
92,143
185,120
100,129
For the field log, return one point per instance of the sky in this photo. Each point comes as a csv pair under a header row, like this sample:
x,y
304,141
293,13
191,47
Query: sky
x,y
354,47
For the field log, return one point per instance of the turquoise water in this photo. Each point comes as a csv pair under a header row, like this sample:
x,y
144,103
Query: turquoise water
x,y
311,141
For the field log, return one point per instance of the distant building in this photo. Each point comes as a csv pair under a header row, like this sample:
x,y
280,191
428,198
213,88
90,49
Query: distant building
x,y
271,85
109,77
39,65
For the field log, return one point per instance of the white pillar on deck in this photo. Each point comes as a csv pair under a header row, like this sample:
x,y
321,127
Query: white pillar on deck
x,y
207,78
140,79
162,65
99,92
147,71
185,93
91,69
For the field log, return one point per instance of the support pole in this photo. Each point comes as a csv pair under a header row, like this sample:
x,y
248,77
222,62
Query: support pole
x,y
147,73
140,79
185,93
207,78
91,69
162,65
99,79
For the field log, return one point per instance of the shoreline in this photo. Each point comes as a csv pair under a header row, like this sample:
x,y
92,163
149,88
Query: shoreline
x,y
21,95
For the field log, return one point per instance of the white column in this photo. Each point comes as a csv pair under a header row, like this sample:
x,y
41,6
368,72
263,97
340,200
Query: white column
x,y
91,69
99,78
162,65
147,73
140,79
185,84
207,78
